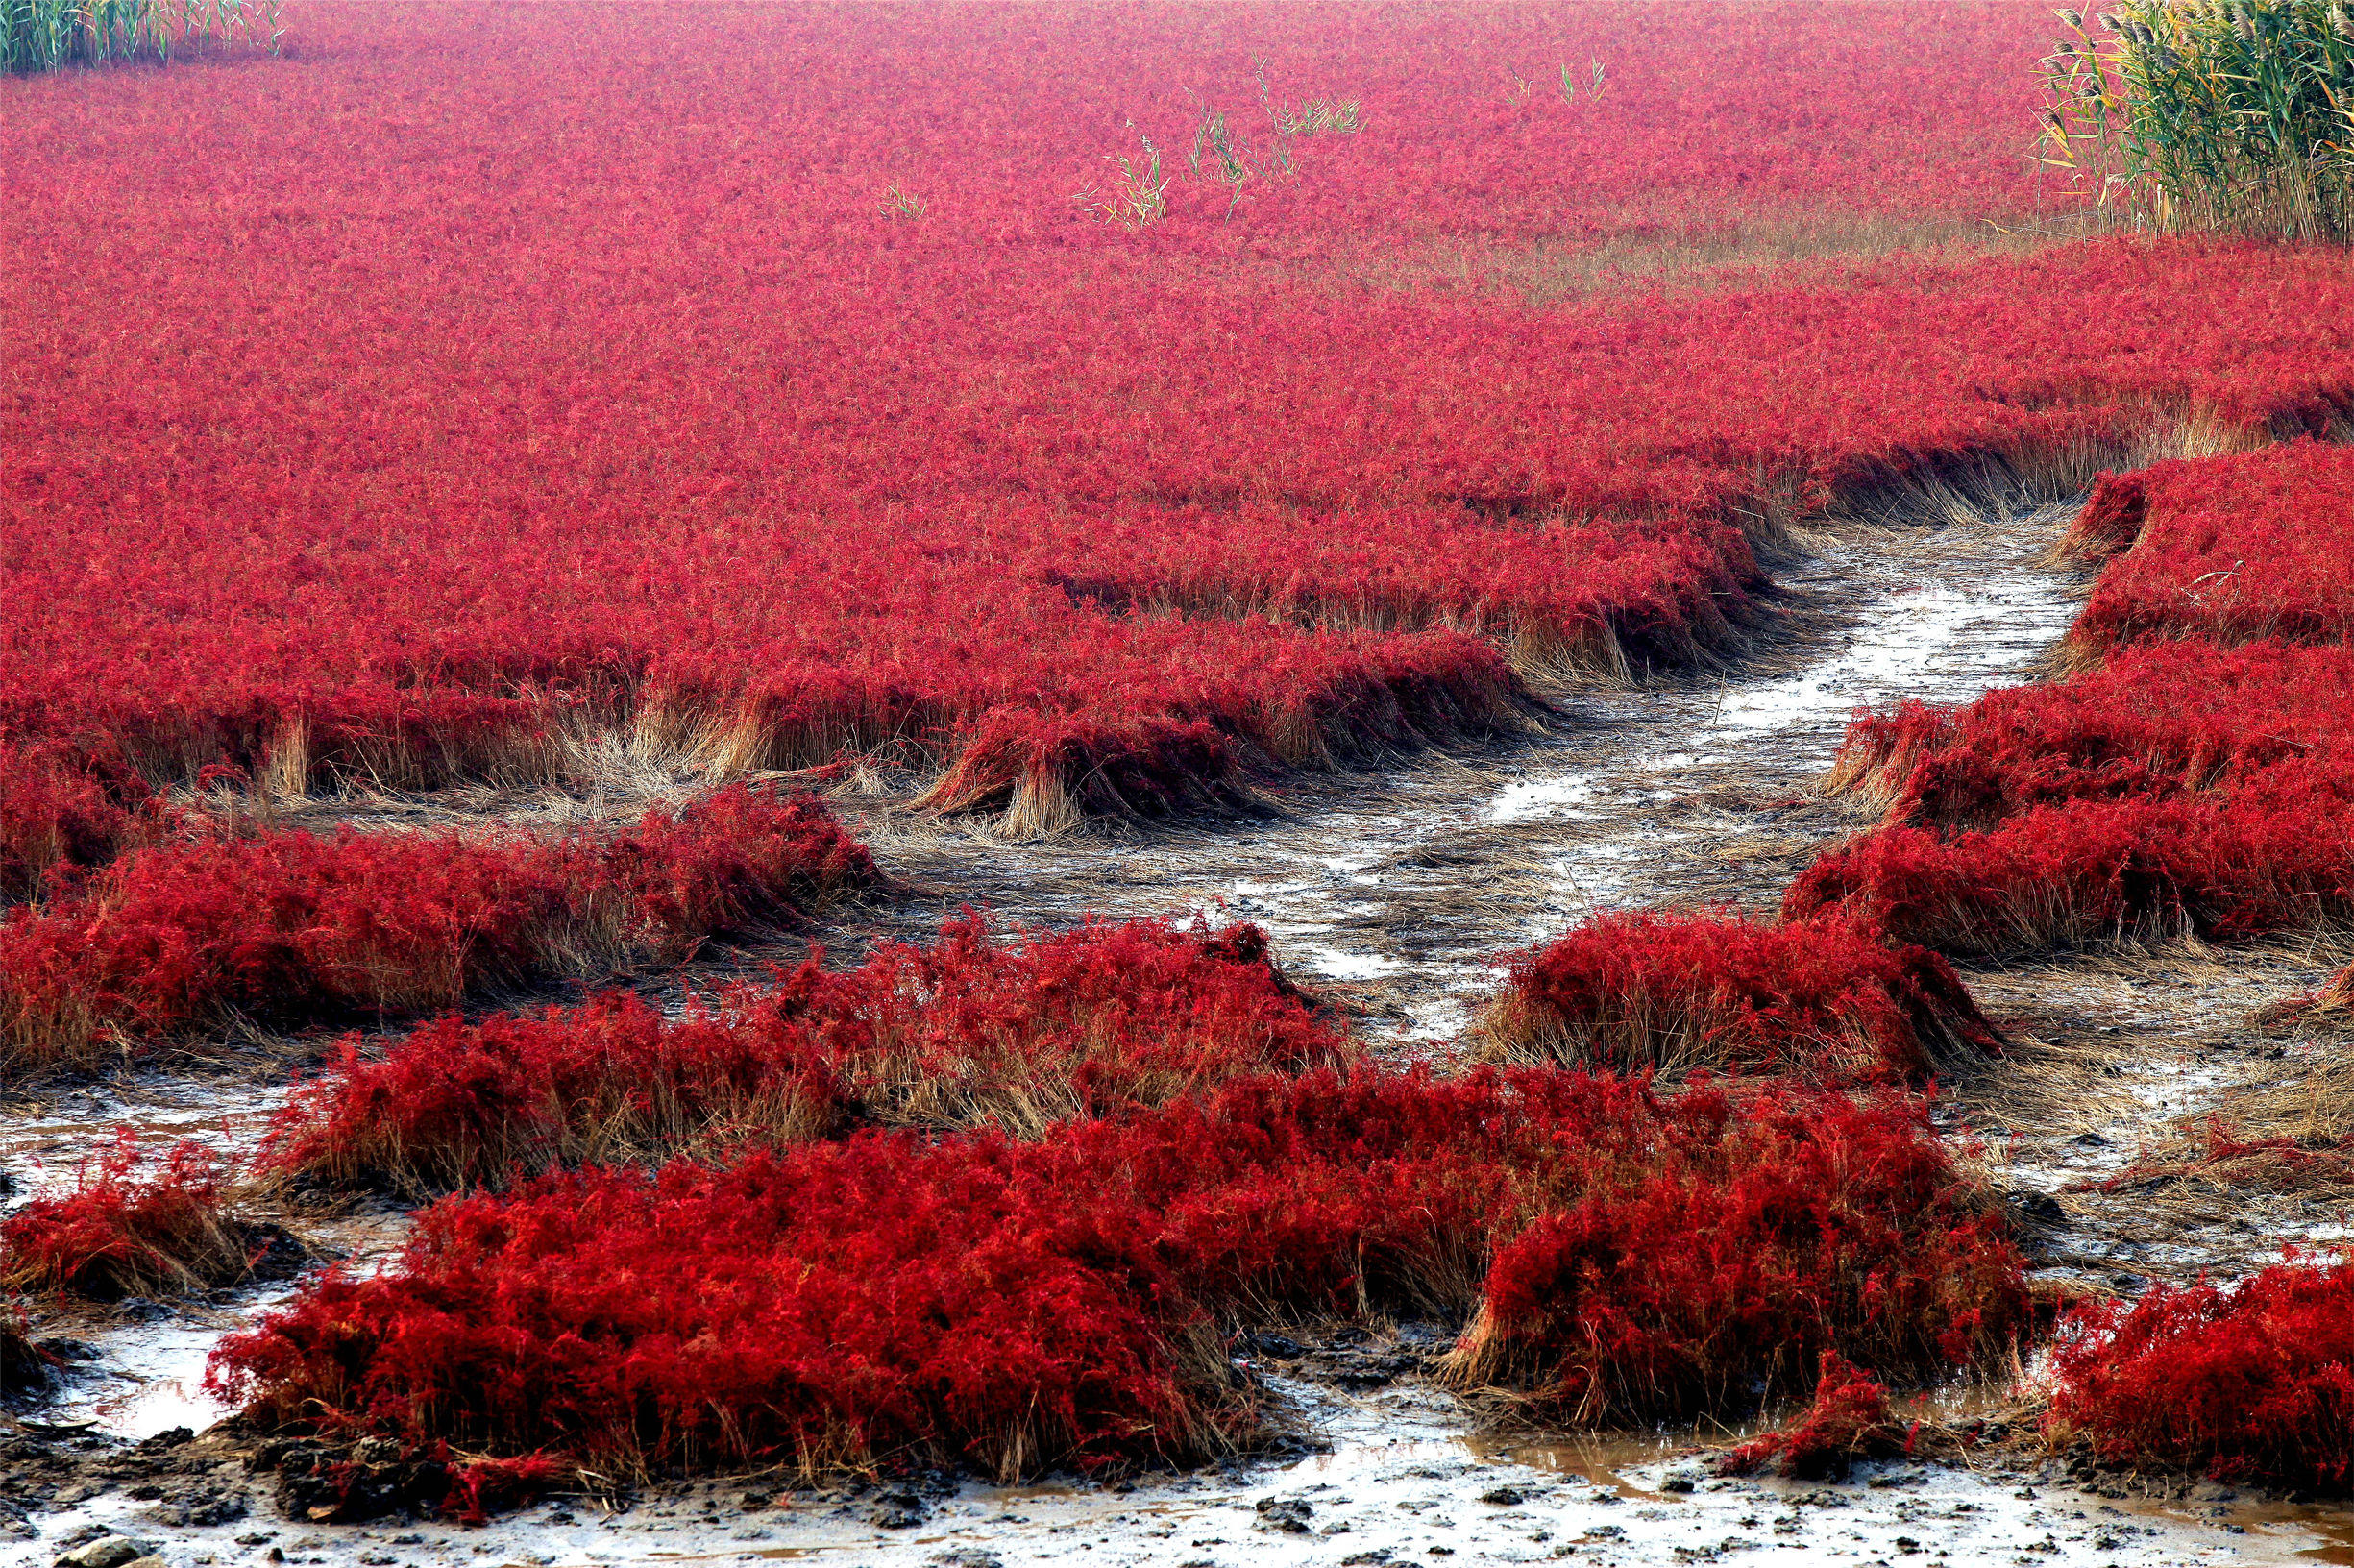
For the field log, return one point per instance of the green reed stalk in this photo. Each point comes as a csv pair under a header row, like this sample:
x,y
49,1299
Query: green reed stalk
x,y
48,34
2235,115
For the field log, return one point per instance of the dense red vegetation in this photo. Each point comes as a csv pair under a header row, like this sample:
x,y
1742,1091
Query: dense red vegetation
x,y
1013,1305
2197,779
127,1230
2152,723
293,928
2274,854
961,1034
1824,999
58,812
2230,550
790,470
763,395
2247,1383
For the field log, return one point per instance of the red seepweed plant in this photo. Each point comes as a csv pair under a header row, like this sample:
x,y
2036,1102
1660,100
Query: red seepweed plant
x,y
2250,1383
293,928
961,1034
2269,855
59,814
125,1230
1013,1305
1849,1419
1304,504
2232,549
1829,1001
2193,777
2156,721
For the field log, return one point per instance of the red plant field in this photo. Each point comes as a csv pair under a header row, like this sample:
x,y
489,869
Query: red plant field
x,y
863,435
1673,993
295,928
2247,1383
1014,1306
961,1034
1075,418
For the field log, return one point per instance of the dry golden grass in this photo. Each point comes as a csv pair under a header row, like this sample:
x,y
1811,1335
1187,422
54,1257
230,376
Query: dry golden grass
x,y
1738,251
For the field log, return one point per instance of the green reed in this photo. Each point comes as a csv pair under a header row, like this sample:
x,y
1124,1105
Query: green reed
x,y
2235,115
47,34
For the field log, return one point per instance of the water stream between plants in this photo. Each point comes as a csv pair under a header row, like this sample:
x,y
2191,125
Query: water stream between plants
x,y
1400,892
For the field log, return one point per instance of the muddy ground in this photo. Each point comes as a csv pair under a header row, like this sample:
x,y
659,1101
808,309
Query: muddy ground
x,y
1397,893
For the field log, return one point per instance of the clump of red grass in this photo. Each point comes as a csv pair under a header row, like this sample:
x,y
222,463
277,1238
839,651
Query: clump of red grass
x,y
60,811
2252,1383
293,928
2156,721
1848,1420
2271,855
2109,522
961,1034
1013,1305
1673,993
1046,773
1654,1300
128,1230
2228,549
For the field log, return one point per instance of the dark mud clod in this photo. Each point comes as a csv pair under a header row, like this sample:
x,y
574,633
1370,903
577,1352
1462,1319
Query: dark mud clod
x,y
897,1510
1290,1515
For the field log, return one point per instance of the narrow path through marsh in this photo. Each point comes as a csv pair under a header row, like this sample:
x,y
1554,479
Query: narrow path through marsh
x,y
1411,885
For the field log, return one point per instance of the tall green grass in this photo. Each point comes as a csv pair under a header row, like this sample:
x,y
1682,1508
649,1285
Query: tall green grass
x,y
45,35
2217,114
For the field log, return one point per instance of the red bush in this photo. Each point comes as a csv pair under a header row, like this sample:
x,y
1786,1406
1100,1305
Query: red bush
x,y
1015,1306
1822,999
1848,1420
1808,1224
961,1034
2110,521
2248,1382
293,928
123,1231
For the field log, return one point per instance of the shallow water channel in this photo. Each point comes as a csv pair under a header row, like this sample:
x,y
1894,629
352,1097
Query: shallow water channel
x,y
1402,891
